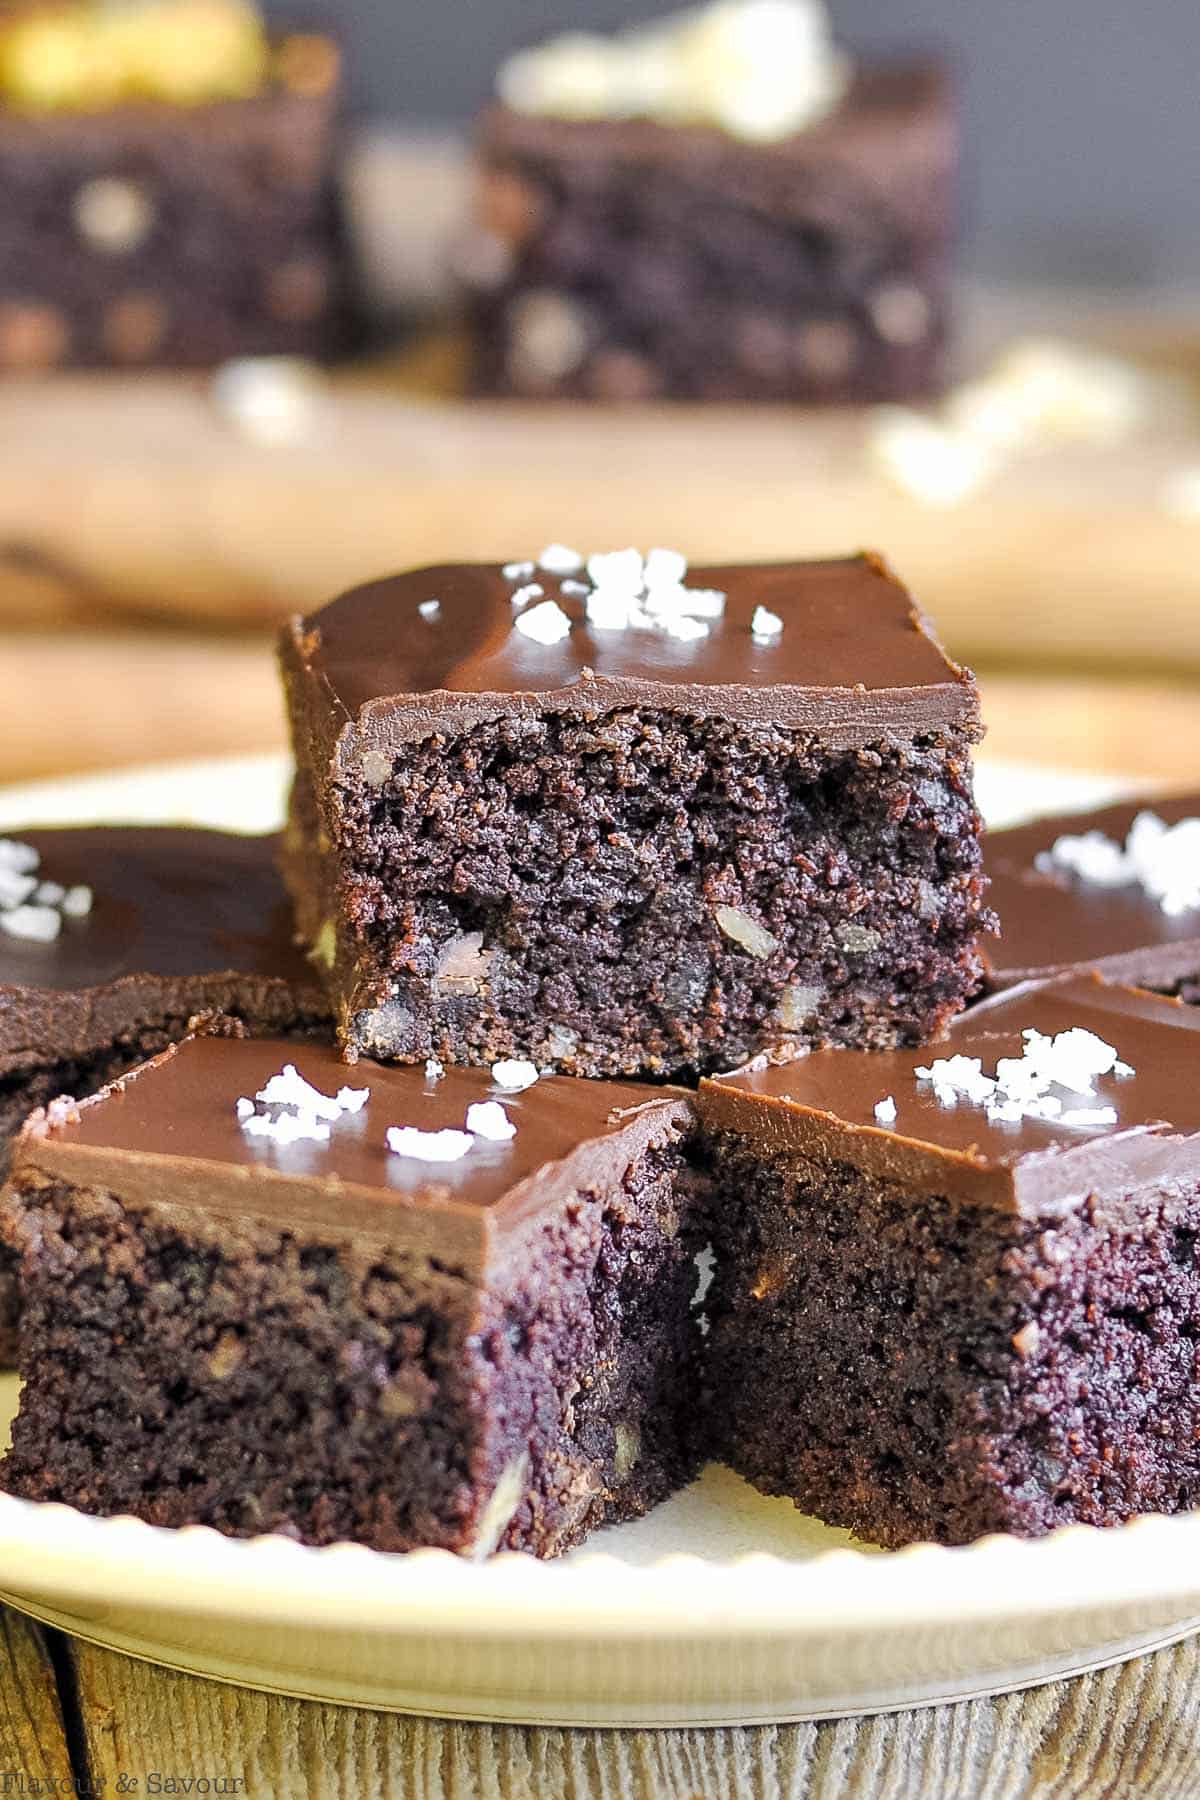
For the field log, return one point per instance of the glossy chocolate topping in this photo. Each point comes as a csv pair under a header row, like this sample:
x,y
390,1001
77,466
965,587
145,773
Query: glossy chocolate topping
x,y
174,913
1055,921
824,1104
856,659
168,1134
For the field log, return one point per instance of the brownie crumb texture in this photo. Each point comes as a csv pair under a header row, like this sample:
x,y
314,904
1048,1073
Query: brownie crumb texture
x,y
401,1406
645,893
912,1368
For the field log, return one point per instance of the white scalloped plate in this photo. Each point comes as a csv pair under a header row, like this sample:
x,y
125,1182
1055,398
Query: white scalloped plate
x,y
719,1608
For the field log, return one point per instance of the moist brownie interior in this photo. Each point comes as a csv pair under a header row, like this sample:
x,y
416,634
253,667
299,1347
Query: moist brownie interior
x,y
625,853
498,1349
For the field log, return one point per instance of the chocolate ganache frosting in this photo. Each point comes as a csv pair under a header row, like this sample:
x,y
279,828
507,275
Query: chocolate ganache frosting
x,y
180,921
169,1135
1053,919
823,1106
855,660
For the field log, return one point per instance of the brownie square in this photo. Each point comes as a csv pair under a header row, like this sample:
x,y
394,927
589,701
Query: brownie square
x,y
153,233
1065,906
179,924
631,259
936,1315
624,822
464,1341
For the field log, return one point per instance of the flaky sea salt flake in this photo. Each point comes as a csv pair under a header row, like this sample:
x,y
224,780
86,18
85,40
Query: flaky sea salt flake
x,y
428,1146
664,569
546,623
22,859
514,1074
37,924
433,1069
559,559
766,627
77,902
429,609
523,595
518,571
488,1119
14,888
352,1100
885,1110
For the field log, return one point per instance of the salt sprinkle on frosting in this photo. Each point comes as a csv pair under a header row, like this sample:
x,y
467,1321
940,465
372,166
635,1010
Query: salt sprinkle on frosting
x,y
428,1146
523,595
518,571
21,858
1164,860
885,1111
433,1069
514,1074
37,924
545,623
1022,1086
558,559
429,609
289,1110
30,908
765,626
488,1119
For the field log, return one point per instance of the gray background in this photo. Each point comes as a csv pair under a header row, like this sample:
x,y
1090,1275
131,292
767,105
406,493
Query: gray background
x,y
1083,115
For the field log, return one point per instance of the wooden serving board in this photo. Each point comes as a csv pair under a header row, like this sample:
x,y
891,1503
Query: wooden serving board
x,y
137,495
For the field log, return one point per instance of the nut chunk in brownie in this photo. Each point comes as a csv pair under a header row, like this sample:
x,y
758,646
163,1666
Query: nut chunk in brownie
x,y
1117,889
622,817
761,220
166,186
112,938
958,1288
421,1308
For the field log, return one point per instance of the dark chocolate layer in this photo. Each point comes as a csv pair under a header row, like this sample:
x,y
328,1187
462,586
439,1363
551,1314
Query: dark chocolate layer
x,y
183,921
856,661
1055,921
168,1135
824,1105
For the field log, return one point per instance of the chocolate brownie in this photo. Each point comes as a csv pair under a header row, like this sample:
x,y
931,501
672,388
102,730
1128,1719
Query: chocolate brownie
x,y
1127,906
169,924
967,1300
629,820
431,1310
717,255
157,224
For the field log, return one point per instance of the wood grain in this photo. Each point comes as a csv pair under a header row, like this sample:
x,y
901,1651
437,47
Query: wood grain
x,y
1125,1731
32,1738
142,496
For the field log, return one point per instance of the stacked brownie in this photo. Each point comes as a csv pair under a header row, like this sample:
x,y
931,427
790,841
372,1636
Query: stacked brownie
x,y
565,831
720,207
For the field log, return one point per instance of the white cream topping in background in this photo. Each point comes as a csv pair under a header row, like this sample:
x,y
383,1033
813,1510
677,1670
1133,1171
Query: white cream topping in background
x,y
1164,860
1040,393
32,909
758,69
1022,1086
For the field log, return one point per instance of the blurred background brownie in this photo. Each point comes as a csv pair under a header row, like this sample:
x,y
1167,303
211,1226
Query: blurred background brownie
x,y
720,207
166,186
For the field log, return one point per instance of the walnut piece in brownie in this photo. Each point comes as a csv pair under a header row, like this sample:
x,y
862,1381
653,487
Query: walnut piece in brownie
x,y
957,1289
631,819
765,221
112,939
405,1310
1116,889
